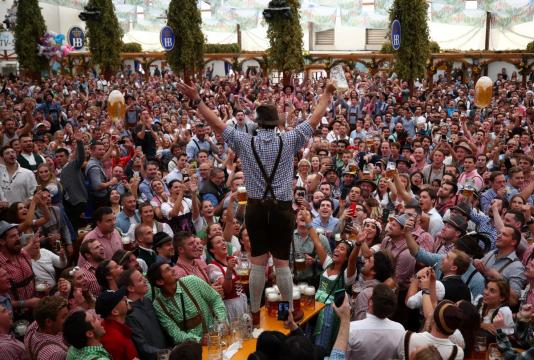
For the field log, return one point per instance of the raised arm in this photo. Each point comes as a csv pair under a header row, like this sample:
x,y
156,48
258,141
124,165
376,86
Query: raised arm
x,y
319,248
213,120
322,105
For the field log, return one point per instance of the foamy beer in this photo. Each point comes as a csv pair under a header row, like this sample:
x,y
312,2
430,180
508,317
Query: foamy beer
x,y
308,298
242,195
41,289
468,189
272,300
483,92
352,168
390,170
369,141
116,106
300,262
243,274
296,298
127,243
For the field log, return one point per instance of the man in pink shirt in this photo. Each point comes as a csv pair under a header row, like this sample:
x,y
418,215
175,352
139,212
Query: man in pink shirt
x,y
470,173
104,232
189,262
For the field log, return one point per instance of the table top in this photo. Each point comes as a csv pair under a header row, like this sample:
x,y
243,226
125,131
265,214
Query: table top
x,y
268,323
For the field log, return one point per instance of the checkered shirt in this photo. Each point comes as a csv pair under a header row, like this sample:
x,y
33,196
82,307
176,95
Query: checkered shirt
x,y
266,143
88,272
44,346
19,269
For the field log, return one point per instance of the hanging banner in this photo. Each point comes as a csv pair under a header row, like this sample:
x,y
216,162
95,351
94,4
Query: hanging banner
x,y
166,38
396,34
76,37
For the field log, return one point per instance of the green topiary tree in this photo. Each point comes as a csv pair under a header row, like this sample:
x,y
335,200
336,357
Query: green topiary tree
x,y
105,37
187,56
530,47
131,47
411,58
285,38
29,28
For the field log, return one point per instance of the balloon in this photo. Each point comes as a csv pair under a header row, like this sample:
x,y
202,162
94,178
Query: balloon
x,y
483,92
59,39
116,106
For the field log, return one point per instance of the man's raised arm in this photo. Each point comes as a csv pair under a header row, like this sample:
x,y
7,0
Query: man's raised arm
x,y
318,113
213,120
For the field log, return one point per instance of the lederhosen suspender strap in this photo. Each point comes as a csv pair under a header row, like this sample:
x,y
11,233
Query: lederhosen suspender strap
x,y
508,263
184,288
471,276
407,337
268,179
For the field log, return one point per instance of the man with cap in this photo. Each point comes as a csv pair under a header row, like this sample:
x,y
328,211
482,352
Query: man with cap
x,y
163,247
460,152
147,333
112,306
446,319
454,227
18,266
83,331
267,165
403,165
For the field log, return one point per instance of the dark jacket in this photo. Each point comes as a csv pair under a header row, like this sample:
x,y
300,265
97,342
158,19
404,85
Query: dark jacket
x,y
147,334
210,188
456,289
72,178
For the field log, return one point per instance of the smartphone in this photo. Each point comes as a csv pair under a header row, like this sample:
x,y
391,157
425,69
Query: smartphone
x,y
339,297
352,209
444,137
283,310
185,178
136,173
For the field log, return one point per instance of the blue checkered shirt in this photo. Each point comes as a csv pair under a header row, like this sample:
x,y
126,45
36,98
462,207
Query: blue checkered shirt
x,y
267,144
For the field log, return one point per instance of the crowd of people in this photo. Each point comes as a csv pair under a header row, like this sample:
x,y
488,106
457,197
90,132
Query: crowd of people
x,y
121,238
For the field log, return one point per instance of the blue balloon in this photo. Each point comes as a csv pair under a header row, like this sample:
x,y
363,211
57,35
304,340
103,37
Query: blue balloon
x,y
59,39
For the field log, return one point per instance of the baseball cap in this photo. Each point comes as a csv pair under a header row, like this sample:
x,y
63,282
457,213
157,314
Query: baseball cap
x,y
107,301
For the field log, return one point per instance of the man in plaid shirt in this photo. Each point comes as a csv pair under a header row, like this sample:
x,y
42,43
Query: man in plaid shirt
x,y
268,169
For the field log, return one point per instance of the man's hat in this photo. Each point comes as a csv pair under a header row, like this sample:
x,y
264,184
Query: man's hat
x,y
267,114
107,301
160,238
404,160
464,208
5,227
367,181
458,221
401,219
448,317
465,146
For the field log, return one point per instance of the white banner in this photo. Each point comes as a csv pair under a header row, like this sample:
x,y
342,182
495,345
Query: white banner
x,y
7,41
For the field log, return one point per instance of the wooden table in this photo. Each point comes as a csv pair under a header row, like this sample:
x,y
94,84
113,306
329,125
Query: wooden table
x,y
267,323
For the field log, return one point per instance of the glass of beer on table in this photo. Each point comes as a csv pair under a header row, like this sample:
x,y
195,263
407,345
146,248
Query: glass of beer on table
x,y
272,300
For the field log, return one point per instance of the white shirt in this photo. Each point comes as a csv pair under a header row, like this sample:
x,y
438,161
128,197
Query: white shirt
x,y
444,346
416,300
164,228
44,267
436,222
505,312
366,334
166,207
19,187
